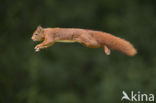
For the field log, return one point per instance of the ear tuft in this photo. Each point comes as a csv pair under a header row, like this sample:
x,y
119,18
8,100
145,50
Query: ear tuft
x,y
39,27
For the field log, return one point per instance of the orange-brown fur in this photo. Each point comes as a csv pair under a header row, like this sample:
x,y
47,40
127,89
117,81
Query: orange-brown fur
x,y
89,38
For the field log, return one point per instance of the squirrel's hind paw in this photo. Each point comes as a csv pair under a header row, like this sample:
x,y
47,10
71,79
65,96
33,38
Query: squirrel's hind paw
x,y
107,50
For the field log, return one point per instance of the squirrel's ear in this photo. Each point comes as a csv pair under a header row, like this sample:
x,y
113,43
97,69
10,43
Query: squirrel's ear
x,y
39,28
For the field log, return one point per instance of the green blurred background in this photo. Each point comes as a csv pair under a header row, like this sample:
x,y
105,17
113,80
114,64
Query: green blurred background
x,y
72,73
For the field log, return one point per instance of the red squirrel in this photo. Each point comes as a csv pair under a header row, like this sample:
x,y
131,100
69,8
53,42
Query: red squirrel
x,y
89,38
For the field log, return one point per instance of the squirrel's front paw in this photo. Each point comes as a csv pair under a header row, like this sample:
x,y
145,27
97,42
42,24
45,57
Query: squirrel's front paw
x,y
37,48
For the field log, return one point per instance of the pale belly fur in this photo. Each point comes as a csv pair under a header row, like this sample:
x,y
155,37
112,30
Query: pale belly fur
x,y
66,41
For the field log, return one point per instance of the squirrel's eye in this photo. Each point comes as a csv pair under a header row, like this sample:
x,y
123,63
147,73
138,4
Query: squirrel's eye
x,y
36,34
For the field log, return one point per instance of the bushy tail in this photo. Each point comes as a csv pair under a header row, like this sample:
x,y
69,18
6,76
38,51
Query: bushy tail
x,y
116,43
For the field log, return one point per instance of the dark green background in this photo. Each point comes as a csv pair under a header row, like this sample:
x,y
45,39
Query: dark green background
x,y
72,73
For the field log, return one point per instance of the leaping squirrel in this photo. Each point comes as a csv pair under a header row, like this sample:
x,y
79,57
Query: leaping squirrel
x,y
89,38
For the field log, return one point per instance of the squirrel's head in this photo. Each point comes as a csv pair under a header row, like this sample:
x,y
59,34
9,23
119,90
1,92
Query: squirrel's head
x,y
38,35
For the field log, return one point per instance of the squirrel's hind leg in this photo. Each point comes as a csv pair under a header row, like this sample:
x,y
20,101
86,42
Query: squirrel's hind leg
x,y
88,41
106,50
